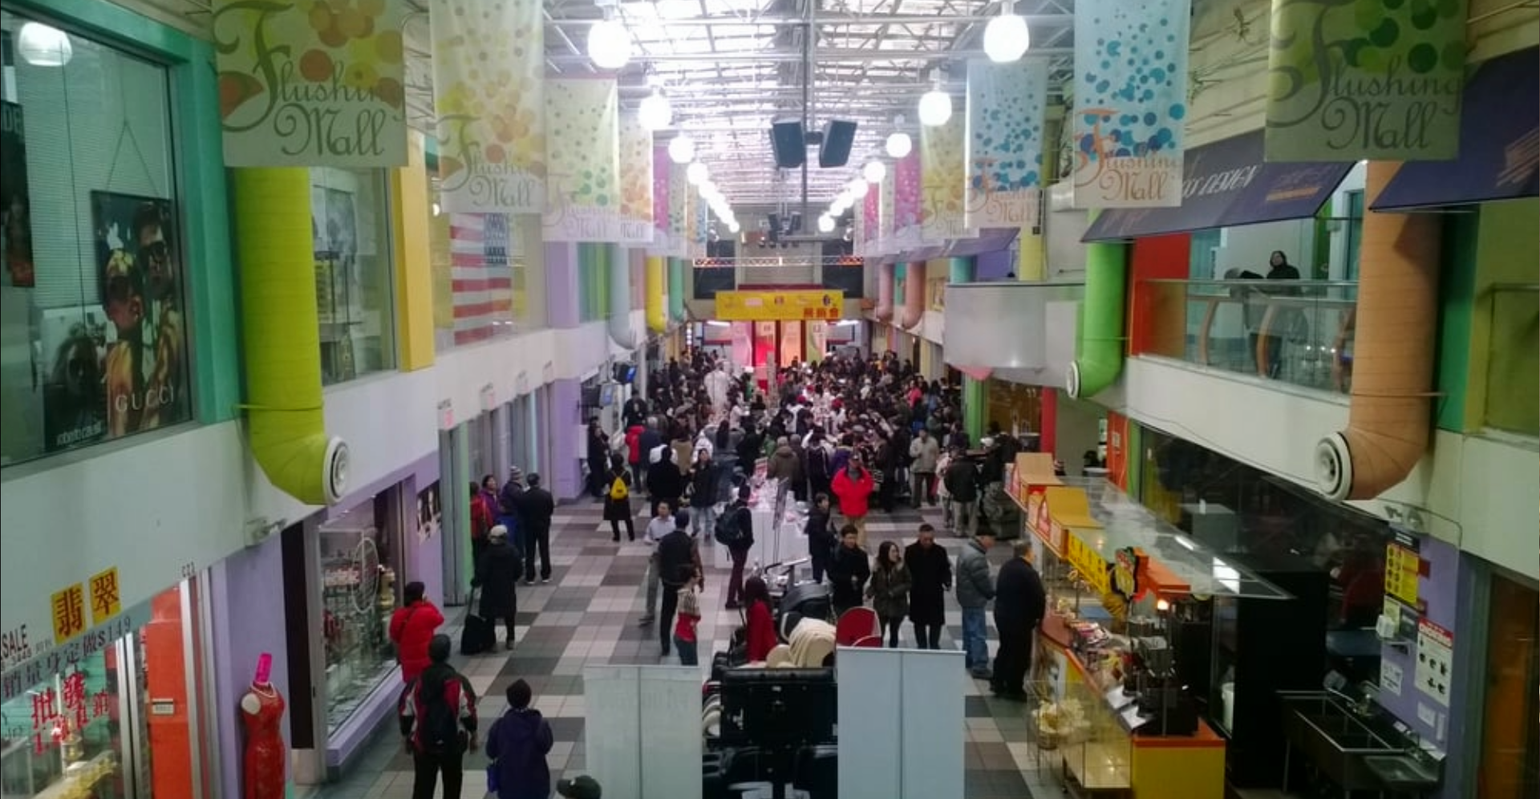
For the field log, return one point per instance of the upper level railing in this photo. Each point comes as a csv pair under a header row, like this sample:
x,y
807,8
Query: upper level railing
x,y
1298,332
840,273
1513,360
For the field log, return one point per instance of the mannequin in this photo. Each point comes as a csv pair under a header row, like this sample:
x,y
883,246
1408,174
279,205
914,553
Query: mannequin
x,y
262,711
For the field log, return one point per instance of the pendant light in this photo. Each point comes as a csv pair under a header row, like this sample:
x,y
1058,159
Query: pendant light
x,y
609,43
936,104
1006,37
44,45
898,144
874,171
656,112
681,149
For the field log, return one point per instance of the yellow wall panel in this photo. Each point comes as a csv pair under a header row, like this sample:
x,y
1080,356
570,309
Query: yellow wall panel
x,y
411,209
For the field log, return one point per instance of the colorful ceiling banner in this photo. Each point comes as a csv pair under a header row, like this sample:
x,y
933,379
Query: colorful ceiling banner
x,y
1130,102
582,118
662,172
636,182
311,84
679,191
1379,81
906,203
700,214
943,178
866,221
1006,105
489,94
886,194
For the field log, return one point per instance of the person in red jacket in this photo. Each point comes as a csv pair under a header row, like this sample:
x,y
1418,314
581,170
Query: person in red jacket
x,y
853,486
411,629
483,519
634,454
759,626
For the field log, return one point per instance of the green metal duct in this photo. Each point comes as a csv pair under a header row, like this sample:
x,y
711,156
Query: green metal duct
x,y
676,289
1099,348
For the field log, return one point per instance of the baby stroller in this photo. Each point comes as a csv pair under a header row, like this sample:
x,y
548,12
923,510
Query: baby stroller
x,y
802,601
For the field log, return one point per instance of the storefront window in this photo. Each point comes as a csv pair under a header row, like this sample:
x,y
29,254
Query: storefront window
x,y
349,217
93,342
89,731
359,553
481,270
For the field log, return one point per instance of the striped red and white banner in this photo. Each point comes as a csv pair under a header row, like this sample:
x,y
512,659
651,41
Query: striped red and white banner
x,y
482,275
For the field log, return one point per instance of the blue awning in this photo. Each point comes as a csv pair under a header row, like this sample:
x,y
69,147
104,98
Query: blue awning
x,y
988,240
1226,184
1499,143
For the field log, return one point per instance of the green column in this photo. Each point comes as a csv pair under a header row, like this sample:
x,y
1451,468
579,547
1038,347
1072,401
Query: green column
x,y
974,402
676,289
1133,460
960,270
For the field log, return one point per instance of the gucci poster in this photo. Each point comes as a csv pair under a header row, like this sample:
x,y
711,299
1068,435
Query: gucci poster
x,y
311,82
120,367
1356,81
1130,109
15,198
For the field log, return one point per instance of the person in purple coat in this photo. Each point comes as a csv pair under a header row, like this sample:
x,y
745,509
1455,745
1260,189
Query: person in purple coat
x,y
516,746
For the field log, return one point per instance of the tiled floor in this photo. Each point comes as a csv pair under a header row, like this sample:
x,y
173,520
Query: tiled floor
x,y
588,615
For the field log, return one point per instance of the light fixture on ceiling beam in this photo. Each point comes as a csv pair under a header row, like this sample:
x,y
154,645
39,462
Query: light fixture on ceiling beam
x,y
898,144
681,149
655,112
936,104
874,171
696,173
609,43
1006,37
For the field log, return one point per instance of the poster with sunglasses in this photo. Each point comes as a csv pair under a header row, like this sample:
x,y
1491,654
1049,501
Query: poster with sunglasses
x,y
138,380
15,200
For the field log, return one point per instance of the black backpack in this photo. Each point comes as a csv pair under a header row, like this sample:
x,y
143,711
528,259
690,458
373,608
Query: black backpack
x,y
439,727
727,530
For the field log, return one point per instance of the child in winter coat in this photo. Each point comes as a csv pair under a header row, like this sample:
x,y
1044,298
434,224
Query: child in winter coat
x,y
685,622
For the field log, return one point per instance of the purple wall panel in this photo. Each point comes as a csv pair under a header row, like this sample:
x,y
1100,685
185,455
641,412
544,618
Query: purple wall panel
x,y
248,620
567,481
561,285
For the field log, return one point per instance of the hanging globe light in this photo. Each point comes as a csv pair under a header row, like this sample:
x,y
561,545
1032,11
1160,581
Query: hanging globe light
x,y
734,226
655,112
1006,37
874,171
609,43
898,145
825,224
681,150
44,45
935,108
858,188
696,173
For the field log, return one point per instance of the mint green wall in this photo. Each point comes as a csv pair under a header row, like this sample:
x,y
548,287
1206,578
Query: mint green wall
x,y
1457,290
201,194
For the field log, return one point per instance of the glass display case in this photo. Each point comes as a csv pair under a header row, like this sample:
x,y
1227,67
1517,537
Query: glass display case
x,y
1094,749
358,593
63,738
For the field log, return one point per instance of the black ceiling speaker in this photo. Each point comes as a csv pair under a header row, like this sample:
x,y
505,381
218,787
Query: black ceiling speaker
x,y
789,141
834,151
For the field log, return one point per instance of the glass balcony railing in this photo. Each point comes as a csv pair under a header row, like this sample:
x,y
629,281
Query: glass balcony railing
x,y
1513,360
1296,332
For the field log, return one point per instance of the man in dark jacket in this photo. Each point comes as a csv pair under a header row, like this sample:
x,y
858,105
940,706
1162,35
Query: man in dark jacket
x,y
536,506
665,483
962,482
930,575
820,536
849,572
705,480
738,550
497,575
1019,606
678,559
508,502
437,712
598,458
634,411
974,590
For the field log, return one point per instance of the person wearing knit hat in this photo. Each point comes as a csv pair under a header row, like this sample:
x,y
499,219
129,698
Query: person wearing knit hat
x,y
581,787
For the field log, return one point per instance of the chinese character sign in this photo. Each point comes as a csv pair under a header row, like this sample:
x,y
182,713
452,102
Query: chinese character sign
x,y
489,93
1359,81
942,178
310,83
583,155
69,613
1130,102
1006,104
636,181
105,597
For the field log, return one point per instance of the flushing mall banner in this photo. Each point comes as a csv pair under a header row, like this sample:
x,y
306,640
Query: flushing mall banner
x,y
1006,103
1130,102
583,149
1378,81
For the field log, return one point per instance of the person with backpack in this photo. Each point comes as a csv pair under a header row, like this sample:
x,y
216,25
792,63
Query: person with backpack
x,y
517,746
735,530
617,502
437,714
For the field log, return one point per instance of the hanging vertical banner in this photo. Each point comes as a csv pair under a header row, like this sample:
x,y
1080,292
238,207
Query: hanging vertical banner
x,y
701,215
885,196
1130,102
582,119
662,172
1379,81
1006,104
679,191
943,176
906,203
865,219
311,84
489,94
636,182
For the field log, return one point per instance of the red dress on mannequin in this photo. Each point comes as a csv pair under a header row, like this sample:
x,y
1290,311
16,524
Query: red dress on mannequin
x,y
262,711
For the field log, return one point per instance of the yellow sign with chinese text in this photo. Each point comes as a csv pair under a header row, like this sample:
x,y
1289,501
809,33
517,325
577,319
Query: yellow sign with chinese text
x,y
1095,569
780,306
1403,567
106,599
69,612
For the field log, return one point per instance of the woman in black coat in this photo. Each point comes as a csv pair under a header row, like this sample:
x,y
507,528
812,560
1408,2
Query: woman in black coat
x,y
665,483
930,575
618,510
497,575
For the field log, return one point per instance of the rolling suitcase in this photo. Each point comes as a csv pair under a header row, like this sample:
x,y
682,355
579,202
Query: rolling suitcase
x,y
479,635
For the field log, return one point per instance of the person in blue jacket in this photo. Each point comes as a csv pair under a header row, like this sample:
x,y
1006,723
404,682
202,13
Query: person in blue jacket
x,y
516,746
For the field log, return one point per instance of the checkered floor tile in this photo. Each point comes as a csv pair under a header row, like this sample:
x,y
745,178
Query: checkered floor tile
x,y
589,614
